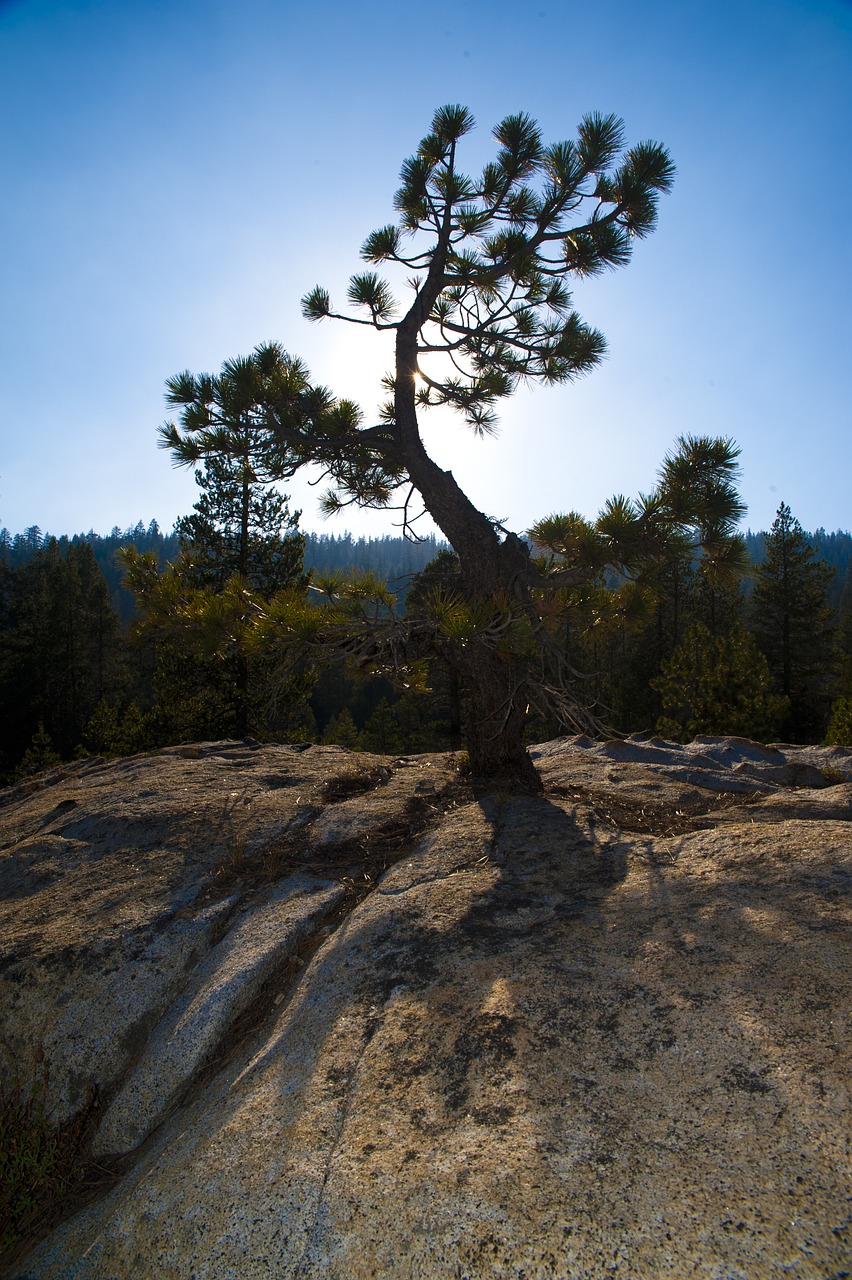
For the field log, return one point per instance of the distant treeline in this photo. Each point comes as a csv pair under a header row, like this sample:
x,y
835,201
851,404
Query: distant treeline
x,y
834,548
769,656
393,558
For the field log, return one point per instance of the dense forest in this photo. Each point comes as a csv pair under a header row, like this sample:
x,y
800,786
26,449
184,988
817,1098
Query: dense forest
x,y
87,667
395,558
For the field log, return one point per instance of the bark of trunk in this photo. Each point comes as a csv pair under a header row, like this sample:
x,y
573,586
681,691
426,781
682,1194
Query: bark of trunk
x,y
496,718
241,716
495,685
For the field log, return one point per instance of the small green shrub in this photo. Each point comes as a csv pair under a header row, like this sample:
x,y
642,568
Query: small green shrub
x,y
839,732
39,754
29,1161
40,1163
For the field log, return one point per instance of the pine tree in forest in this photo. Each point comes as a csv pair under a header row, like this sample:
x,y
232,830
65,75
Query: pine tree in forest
x,y
381,732
839,731
342,731
844,639
214,676
793,625
39,755
60,652
718,685
241,523
240,547
243,528
645,571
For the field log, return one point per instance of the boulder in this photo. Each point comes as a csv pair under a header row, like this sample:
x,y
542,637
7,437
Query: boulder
x,y
594,1032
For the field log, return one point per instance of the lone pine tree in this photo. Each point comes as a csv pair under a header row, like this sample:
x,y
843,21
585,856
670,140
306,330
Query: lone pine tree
x,y
489,259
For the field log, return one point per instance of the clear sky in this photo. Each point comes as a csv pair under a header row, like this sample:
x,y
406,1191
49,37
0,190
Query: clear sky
x,y
176,174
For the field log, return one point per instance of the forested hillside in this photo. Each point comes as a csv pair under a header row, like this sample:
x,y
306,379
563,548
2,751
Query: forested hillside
x,y
835,549
394,558
770,657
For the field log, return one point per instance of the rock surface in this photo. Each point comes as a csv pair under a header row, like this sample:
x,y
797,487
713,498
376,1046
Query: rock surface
x,y
411,1029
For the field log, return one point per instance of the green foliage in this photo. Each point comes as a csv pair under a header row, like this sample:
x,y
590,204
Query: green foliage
x,y
238,526
110,732
208,612
101,733
381,732
29,1154
60,650
843,642
342,731
839,730
487,258
718,685
135,731
632,582
793,625
38,1162
158,691
229,661
689,519
39,754
241,523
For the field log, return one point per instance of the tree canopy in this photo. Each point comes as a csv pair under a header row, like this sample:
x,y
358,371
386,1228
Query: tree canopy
x,y
490,261
793,624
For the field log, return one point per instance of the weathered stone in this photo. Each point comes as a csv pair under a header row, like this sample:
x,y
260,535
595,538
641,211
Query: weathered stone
x,y
117,879
551,1042
89,1009
221,988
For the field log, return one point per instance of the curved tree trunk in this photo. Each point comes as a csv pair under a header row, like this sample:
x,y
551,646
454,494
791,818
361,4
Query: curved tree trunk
x,y
495,685
496,718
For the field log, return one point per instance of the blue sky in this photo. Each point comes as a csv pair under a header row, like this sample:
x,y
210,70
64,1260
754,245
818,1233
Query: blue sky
x,y
177,175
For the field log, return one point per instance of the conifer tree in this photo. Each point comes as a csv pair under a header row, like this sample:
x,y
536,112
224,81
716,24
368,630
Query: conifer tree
x,y
60,652
39,755
793,625
844,638
718,685
241,523
240,544
647,569
342,731
490,259
381,732
839,731
240,527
